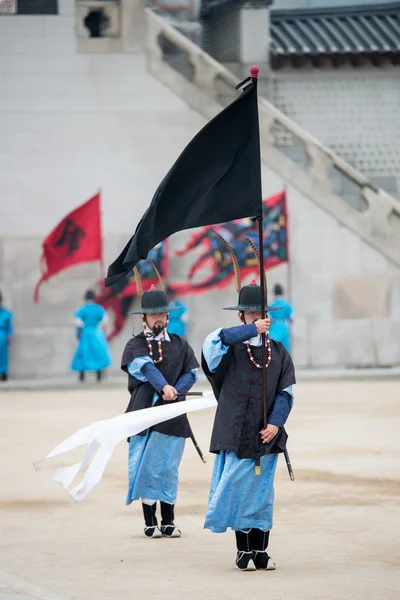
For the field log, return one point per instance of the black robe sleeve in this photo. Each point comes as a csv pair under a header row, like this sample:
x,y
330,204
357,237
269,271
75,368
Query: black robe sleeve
x,y
135,347
132,350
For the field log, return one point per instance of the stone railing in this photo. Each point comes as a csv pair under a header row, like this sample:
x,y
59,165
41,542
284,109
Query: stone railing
x,y
206,85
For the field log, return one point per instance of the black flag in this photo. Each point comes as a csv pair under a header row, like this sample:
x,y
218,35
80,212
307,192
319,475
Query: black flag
x,y
217,178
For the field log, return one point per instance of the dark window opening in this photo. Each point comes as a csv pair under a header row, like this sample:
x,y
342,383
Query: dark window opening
x,y
96,21
37,7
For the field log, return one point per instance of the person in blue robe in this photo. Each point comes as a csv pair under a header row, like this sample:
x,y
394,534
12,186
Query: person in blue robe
x,y
161,366
92,352
281,321
240,498
177,318
6,333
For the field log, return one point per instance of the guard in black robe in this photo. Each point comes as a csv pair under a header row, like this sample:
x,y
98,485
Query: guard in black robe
x,y
239,497
160,367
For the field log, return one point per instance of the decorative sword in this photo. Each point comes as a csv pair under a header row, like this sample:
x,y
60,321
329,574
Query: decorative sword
x,y
191,434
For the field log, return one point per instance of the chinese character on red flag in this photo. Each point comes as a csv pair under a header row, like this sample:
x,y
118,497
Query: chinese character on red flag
x,y
76,239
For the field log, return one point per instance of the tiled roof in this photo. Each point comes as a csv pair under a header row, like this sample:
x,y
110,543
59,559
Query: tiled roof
x,y
357,30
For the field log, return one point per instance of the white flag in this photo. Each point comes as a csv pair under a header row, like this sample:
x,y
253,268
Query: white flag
x,y
102,436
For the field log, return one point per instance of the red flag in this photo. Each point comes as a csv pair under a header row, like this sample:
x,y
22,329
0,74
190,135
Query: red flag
x,y
76,239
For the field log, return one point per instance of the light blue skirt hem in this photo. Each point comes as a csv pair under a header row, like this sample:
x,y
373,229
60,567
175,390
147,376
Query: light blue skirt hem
x,y
240,499
263,524
153,465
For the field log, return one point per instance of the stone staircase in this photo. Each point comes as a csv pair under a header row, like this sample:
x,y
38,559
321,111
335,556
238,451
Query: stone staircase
x,y
314,170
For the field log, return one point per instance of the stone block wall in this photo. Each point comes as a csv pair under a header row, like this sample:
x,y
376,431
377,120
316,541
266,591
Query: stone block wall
x,y
353,111
71,123
325,257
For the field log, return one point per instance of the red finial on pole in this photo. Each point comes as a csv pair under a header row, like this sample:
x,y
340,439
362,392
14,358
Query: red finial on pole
x,y
254,71
253,76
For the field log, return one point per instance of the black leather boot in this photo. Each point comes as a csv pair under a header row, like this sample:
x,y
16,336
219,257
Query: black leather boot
x,y
151,530
259,543
244,556
168,528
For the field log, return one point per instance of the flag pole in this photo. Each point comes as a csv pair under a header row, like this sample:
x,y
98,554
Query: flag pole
x,y
289,263
289,288
263,336
102,269
254,78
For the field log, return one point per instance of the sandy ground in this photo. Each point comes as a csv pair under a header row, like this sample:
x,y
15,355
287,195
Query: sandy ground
x,y
337,527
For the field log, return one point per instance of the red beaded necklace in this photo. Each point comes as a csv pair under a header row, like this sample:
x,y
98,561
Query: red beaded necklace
x,y
160,352
251,357
150,345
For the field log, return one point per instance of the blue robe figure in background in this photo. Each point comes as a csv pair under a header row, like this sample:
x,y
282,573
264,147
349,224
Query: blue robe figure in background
x,y
92,353
177,318
6,333
280,321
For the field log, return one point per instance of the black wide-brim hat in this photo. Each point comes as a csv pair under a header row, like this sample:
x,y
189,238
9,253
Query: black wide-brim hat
x,y
155,302
250,300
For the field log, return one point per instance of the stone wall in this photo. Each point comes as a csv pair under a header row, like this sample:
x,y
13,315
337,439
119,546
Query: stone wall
x,y
332,271
71,123
353,111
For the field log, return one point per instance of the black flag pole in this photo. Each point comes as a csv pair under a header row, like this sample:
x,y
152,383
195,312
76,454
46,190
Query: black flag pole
x,y
254,78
